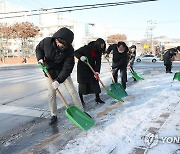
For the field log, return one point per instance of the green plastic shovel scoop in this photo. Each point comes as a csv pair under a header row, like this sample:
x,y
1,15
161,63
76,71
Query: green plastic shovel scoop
x,y
116,88
177,76
109,92
135,74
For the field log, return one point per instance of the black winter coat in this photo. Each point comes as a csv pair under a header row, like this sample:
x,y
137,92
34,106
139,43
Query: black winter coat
x,y
59,64
168,55
120,60
84,73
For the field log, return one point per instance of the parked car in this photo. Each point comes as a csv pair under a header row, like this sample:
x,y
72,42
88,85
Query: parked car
x,y
147,58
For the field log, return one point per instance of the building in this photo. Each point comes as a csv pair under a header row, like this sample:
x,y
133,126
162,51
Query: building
x,y
6,15
10,14
164,43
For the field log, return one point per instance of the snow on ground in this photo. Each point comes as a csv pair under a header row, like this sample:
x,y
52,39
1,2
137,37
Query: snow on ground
x,y
152,105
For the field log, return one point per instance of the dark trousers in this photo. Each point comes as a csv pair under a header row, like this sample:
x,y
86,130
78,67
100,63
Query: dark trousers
x,y
123,75
168,67
82,99
133,71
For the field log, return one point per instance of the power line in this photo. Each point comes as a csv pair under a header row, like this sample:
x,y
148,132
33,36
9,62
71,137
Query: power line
x,y
79,6
72,8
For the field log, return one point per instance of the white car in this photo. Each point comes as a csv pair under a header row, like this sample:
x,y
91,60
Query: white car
x,y
147,58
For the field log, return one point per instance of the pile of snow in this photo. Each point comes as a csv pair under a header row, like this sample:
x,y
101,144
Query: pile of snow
x,y
124,128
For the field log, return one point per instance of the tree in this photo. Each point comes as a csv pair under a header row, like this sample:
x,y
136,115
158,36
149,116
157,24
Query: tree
x,y
6,33
116,38
25,31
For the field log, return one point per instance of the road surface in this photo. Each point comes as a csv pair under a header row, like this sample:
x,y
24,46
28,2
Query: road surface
x,y
24,111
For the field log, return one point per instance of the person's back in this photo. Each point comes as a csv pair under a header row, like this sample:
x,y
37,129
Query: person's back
x,y
168,55
168,59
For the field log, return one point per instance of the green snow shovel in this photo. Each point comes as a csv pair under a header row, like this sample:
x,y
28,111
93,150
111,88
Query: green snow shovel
x,y
109,92
117,88
75,115
135,74
177,76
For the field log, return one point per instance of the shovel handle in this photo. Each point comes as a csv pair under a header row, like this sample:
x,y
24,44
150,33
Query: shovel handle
x,y
51,80
131,69
95,73
110,69
57,90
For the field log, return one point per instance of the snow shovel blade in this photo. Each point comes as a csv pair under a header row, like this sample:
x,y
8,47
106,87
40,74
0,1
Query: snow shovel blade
x,y
176,76
118,89
79,118
137,76
114,95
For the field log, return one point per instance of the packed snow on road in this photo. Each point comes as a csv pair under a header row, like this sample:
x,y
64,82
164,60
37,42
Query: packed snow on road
x,y
147,121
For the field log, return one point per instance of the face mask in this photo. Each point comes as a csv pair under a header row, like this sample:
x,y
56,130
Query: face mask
x,y
61,48
133,49
121,51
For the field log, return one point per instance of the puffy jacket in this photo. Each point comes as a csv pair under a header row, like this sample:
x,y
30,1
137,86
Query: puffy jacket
x,y
59,64
120,60
168,55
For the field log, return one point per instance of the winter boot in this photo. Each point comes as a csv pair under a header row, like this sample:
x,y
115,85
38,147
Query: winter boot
x,y
134,79
98,99
53,120
82,100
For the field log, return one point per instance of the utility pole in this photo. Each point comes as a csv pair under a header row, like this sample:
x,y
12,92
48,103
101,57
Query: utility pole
x,y
151,26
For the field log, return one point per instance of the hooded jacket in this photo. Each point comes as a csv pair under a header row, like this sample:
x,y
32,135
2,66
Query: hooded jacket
x,y
59,64
65,34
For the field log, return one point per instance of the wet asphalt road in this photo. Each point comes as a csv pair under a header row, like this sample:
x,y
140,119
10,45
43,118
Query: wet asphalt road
x,y
24,111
